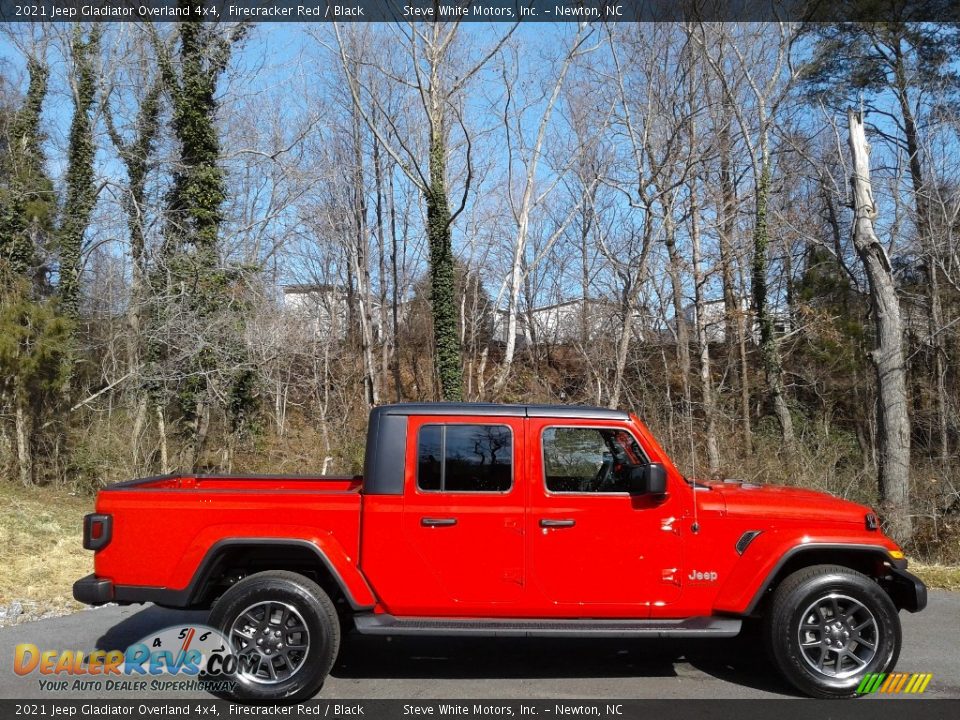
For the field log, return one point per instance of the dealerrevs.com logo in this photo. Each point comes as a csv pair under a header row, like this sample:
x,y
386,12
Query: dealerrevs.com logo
x,y
181,657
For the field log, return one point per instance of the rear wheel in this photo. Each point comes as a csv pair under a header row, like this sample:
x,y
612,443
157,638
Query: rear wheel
x,y
284,630
828,626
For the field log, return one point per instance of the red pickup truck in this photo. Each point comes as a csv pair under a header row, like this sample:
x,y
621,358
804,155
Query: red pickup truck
x,y
520,520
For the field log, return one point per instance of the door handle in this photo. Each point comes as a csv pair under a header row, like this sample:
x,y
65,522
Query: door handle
x,y
437,522
548,523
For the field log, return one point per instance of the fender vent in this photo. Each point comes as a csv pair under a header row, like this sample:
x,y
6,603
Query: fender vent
x,y
744,542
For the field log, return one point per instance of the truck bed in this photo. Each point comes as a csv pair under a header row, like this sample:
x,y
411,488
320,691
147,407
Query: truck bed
x,y
176,519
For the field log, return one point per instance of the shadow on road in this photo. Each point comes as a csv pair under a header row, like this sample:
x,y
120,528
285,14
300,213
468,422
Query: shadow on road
x,y
738,660
741,661
367,657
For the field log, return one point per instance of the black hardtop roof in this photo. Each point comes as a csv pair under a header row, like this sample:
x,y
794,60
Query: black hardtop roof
x,y
583,412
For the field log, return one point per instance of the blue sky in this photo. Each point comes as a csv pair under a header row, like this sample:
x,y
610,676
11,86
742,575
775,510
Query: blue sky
x,y
262,68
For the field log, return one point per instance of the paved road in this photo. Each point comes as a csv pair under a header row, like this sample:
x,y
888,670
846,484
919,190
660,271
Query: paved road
x,y
511,668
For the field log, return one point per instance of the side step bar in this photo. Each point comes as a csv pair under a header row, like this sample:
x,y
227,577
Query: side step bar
x,y
370,624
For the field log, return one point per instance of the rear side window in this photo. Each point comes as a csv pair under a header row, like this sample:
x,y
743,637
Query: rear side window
x,y
465,458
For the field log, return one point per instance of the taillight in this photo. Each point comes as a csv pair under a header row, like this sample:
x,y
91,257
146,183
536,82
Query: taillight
x,y
97,529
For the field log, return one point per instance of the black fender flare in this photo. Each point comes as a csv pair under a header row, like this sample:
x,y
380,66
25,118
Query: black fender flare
x,y
877,551
193,592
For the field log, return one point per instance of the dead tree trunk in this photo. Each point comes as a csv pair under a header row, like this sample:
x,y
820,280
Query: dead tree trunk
x,y
893,434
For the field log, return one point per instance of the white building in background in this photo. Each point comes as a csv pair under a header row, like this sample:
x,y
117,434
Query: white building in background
x,y
562,322
714,315
325,306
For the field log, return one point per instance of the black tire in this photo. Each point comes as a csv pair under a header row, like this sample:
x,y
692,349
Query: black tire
x,y
822,623
267,599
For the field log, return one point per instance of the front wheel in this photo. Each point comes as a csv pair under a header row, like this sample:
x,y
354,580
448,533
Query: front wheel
x,y
828,627
284,629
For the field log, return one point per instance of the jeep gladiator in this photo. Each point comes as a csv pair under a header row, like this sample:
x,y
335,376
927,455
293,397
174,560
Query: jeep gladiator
x,y
505,520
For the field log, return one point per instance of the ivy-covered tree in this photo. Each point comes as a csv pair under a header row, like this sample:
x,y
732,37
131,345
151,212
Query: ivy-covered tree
x,y
197,283
81,192
440,74
27,202
137,155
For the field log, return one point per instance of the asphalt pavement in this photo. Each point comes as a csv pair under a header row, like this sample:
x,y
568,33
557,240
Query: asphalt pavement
x,y
506,668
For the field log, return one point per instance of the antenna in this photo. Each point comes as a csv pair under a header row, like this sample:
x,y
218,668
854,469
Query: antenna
x,y
695,527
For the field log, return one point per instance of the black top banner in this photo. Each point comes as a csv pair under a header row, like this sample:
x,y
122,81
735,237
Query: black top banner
x,y
507,11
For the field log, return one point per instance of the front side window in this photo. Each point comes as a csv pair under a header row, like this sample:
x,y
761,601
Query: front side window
x,y
589,460
465,458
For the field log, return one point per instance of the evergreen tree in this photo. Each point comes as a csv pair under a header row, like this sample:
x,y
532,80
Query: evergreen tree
x,y
33,335
34,340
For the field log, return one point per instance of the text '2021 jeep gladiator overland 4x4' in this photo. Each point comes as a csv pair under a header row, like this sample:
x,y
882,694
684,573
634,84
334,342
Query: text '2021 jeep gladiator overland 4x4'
x,y
521,520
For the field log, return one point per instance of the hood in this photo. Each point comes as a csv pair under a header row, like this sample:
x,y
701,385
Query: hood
x,y
789,503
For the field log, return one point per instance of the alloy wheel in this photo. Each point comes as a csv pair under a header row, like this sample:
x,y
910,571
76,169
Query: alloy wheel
x,y
276,636
838,636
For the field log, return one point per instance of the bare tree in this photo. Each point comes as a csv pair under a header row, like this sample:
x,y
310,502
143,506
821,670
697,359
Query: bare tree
x,y
439,81
768,74
534,190
887,357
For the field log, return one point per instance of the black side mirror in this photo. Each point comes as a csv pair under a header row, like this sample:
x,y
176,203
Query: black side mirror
x,y
647,479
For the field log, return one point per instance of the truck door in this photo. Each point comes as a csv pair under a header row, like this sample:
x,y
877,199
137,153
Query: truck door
x,y
463,515
591,542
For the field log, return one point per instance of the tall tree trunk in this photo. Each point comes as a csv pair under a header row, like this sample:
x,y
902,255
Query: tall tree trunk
x,y
382,267
734,325
706,378
360,260
675,270
887,357
745,426
136,158
769,346
24,431
631,287
925,231
585,318
81,192
442,297
728,228
136,432
195,213
162,435
395,294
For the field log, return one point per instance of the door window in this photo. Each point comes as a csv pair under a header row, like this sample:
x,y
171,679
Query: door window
x,y
465,458
588,460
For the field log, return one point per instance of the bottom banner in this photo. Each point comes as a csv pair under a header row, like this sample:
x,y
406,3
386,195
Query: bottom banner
x,y
902,709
